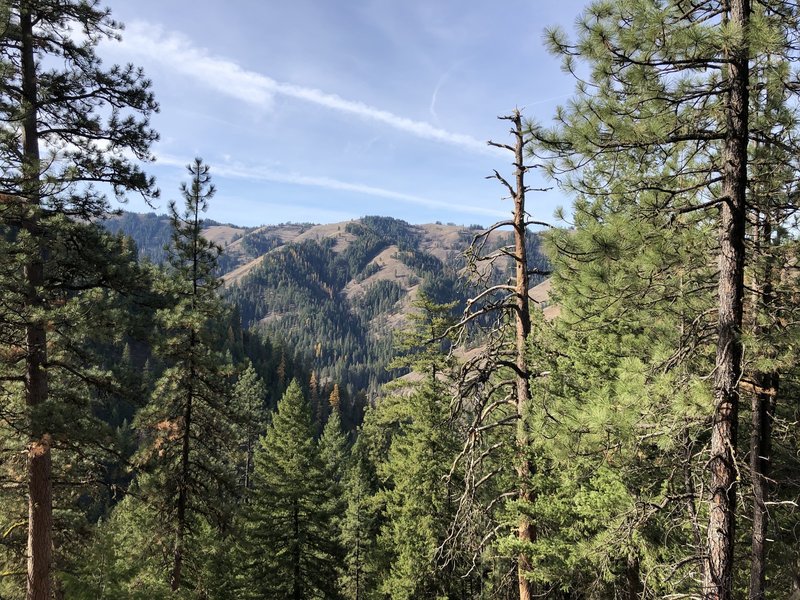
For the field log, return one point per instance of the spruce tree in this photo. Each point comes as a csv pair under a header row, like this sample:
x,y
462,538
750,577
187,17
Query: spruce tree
x,y
291,552
71,124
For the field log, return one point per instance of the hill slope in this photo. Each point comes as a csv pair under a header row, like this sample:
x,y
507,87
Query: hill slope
x,y
332,293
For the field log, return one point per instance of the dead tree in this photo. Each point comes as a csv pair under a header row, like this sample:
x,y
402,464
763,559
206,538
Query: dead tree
x,y
493,392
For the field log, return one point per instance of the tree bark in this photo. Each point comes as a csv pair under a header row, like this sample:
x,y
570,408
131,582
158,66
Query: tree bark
x,y
525,531
39,463
634,577
183,493
763,405
718,575
763,402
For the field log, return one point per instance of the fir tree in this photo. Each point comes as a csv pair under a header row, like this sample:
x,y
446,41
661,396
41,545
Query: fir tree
x,y
414,443
359,529
250,394
291,553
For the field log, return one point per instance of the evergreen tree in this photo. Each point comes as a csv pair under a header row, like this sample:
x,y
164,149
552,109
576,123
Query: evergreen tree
x,y
624,411
188,427
669,122
250,394
290,548
334,454
359,529
71,124
413,445
419,506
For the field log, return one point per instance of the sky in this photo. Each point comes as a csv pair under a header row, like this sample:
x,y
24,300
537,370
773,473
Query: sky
x,y
328,110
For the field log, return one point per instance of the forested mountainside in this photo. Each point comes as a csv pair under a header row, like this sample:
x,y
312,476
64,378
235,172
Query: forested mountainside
x,y
191,427
333,294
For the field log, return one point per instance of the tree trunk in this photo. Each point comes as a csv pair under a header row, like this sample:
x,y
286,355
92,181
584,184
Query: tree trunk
x,y
763,404
39,465
763,401
183,494
634,577
525,531
297,587
40,521
717,578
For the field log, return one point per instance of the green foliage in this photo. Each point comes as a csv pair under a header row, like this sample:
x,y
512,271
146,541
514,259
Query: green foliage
x,y
250,400
629,393
300,289
188,428
289,511
360,571
73,129
412,444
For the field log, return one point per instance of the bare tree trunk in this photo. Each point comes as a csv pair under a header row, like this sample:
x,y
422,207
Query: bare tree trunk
x,y
718,575
39,464
526,532
504,355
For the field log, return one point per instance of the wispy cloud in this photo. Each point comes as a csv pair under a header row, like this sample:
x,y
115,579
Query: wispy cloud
x,y
177,52
260,173
434,97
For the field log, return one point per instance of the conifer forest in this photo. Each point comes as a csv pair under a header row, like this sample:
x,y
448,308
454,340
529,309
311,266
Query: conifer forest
x,y
606,406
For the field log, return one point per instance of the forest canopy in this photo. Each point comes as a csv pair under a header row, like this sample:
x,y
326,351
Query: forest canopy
x,y
591,411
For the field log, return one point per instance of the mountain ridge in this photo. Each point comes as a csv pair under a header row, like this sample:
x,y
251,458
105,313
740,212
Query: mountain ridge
x,y
334,293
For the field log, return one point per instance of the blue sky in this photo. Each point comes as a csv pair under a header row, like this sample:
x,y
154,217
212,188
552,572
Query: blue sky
x,y
321,110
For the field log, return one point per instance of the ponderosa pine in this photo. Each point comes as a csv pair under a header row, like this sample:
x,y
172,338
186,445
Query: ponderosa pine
x,y
668,84
188,428
71,124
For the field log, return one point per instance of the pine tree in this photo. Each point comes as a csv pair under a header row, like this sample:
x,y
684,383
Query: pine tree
x,y
666,122
291,553
189,424
624,409
71,124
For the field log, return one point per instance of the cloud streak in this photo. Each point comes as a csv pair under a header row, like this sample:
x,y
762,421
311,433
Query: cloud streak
x,y
259,173
177,52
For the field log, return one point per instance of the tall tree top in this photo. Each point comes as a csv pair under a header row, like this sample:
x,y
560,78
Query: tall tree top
x,y
92,123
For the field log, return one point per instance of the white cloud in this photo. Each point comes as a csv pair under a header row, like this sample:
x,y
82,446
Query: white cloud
x,y
177,52
260,173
